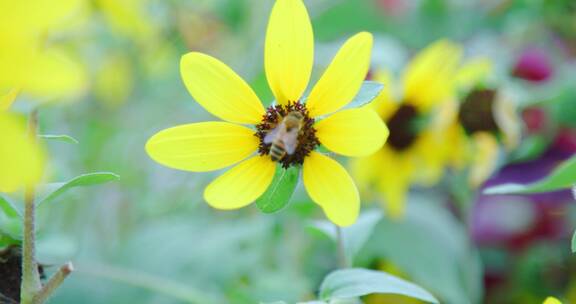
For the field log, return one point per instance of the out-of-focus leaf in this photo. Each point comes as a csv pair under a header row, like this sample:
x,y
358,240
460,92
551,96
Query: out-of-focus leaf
x,y
356,282
367,93
530,149
280,190
573,244
51,191
564,176
355,236
431,248
8,208
62,138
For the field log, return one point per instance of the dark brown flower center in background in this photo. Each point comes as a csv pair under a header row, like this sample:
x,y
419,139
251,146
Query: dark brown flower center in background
x,y
307,140
476,112
403,127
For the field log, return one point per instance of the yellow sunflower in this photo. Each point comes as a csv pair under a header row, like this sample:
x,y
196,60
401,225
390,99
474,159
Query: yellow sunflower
x,y
21,159
413,153
209,146
480,123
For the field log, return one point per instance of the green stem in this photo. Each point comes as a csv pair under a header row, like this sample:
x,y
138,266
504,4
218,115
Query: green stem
x,y
343,261
53,284
30,276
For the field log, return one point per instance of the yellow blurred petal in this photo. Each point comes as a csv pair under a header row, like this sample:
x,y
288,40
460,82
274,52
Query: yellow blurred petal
x,y
330,186
385,104
508,120
204,146
55,75
343,77
430,76
289,50
21,159
395,181
551,300
485,158
242,184
473,72
7,100
365,171
129,18
219,90
353,132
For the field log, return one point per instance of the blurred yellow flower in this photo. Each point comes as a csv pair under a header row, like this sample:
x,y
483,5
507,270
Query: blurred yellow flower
x,y
28,61
21,159
289,54
413,153
551,300
477,124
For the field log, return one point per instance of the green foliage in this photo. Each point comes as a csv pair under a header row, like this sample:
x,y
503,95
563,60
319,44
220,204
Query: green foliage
x,y
563,177
357,282
49,192
278,194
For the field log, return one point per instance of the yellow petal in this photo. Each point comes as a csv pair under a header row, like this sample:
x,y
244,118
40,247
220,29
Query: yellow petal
x,y
343,78
507,118
395,181
551,300
353,132
384,104
219,90
473,73
289,50
7,100
330,186
242,184
430,76
485,158
204,146
55,75
21,159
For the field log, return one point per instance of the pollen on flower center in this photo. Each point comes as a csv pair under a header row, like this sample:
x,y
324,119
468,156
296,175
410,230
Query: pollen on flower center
x,y
287,134
403,127
476,112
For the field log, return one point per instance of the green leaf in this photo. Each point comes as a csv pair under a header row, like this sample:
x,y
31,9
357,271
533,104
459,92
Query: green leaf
x,y
357,282
8,208
564,176
573,245
367,93
62,138
280,190
51,191
355,236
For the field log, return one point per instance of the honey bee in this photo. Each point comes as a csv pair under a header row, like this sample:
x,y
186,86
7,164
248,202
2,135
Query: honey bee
x,y
284,137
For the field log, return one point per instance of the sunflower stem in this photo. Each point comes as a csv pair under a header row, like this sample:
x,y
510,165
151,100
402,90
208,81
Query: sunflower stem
x,y
343,261
53,284
30,277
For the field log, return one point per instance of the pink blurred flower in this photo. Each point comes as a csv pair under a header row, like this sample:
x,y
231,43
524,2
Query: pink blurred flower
x,y
533,65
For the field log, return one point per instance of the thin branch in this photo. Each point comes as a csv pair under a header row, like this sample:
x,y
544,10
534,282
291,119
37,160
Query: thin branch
x,y
53,284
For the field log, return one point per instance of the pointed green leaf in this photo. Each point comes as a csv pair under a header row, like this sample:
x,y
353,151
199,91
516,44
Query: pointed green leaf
x,y
280,190
357,282
63,138
367,93
51,191
8,208
563,177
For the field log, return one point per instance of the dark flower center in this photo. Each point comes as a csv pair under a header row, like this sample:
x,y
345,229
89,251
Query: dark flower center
x,y
287,134
476,112
403,126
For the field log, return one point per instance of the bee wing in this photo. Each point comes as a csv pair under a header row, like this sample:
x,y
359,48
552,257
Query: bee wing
x,y
269,138
291,141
